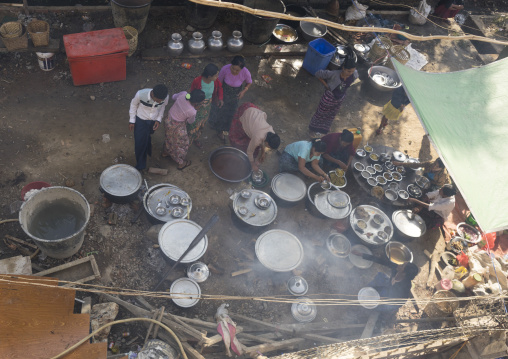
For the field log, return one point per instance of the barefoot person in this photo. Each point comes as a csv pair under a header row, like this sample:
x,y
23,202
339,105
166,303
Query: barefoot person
x,y
145,116
208,82
251,133
393,109
183,112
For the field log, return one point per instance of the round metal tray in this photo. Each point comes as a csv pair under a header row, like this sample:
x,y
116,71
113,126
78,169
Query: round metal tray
x,y
323,205
409,223
161,194
121,180
176,236
255,216
279,250
185,292
358,261
230,164
289,187
368,297
371,239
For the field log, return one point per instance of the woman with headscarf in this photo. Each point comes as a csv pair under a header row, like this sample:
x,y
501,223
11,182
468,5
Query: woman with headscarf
x,y
336,83
233,77
180,115
251,133
208,82
297,155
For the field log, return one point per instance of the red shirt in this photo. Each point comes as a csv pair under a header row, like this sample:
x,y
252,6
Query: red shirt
x,y
332,141
217,88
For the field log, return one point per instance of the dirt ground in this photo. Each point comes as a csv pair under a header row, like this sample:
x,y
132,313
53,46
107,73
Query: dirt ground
x,y
53,131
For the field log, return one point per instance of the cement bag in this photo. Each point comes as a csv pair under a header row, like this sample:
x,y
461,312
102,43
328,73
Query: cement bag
x,y
414,15
356,11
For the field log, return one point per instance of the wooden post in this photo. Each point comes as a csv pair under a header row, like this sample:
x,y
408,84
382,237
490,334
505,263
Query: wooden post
x,y
25,7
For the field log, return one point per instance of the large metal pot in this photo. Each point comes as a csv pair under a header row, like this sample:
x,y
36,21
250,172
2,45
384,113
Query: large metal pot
x,y
288,189
247,212
312,31
160,194
383,69
230,164
120,183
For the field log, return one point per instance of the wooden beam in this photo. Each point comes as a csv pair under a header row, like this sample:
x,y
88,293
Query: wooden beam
x,y
371,324
270,347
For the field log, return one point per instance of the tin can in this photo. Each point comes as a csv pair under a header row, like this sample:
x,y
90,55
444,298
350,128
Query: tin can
x,y
186,65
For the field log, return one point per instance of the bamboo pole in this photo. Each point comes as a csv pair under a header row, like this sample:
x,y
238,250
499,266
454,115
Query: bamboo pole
x,y
334,25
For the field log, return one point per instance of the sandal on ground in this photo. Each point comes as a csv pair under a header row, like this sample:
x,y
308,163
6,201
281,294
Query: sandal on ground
x,y
187,164
198,144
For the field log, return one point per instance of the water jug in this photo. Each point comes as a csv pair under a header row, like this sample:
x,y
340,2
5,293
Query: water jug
x,y
196,44
175,45
235,42
215,41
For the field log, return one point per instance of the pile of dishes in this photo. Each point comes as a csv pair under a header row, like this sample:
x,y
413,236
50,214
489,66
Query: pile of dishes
x,y
165,202
254,207
371,224
334,204
338,178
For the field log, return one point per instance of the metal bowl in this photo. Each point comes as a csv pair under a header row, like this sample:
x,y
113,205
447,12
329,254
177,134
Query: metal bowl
x,y
361,153
338,179
370,169
378,167
338,245
243,211
381,180
365,174
230,164
326,185
245,193
388,176
389,165
362,48
398,253
368,148
403,194
414,190
374,157
372,181
361,224
285,34
382,236
177,212
456,248
401,170
359,166
312,31
263,202
394,186
422,182
185,201
380,86
174,199
396,176
391,195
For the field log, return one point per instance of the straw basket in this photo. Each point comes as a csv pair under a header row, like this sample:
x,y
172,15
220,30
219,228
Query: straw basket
x,y
400,53
380,47
13,36
39,32
131,34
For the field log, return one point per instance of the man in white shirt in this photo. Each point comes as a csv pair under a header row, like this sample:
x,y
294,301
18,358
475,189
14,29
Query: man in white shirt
x,y
145,116
441,204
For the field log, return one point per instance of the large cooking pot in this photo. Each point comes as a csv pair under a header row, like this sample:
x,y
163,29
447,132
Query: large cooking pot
x,y
288,189
120,183
327,203
161,196
230,164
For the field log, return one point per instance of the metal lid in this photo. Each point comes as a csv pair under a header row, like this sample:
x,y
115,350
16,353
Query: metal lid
x,y
121,180
338,199
199,272
289,187
185,292
304,310
279,250
323,205
409,223
297,285
357,260
254,216
162,195
399,156
176,236
338,245
369,297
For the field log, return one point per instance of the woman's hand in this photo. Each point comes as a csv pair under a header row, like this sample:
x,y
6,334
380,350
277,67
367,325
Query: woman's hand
x,y
221,103
156,125
319,178
242,93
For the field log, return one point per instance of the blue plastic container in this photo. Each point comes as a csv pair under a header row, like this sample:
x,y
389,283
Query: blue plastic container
x,y
318,56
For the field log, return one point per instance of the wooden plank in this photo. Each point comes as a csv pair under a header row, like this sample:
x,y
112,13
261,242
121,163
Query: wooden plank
x,y
240,272
89,351
217,338
53,46
270,347
80,270
248,50
371,324
21,241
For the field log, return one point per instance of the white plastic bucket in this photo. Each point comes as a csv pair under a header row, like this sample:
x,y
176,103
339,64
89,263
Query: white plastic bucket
x,y
46,60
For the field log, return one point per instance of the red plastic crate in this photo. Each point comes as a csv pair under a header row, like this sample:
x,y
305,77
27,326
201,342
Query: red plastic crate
x,y
97,56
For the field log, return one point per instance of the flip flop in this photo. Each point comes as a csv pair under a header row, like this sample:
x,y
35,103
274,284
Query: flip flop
x,y
187,164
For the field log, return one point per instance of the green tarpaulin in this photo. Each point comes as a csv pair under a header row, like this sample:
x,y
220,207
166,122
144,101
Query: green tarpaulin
x,y
465,114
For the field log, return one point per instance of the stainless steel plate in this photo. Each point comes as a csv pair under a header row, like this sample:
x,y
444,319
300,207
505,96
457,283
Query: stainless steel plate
x,y
323,205
289,187
162,195
368,235
409,223
368,297
255,216
121,180
185,292
279,250
176,236
358,261
399,156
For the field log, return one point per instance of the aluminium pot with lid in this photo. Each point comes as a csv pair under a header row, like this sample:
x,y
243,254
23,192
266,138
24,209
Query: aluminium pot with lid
x,y
176,236
120,182
279,251
166,202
